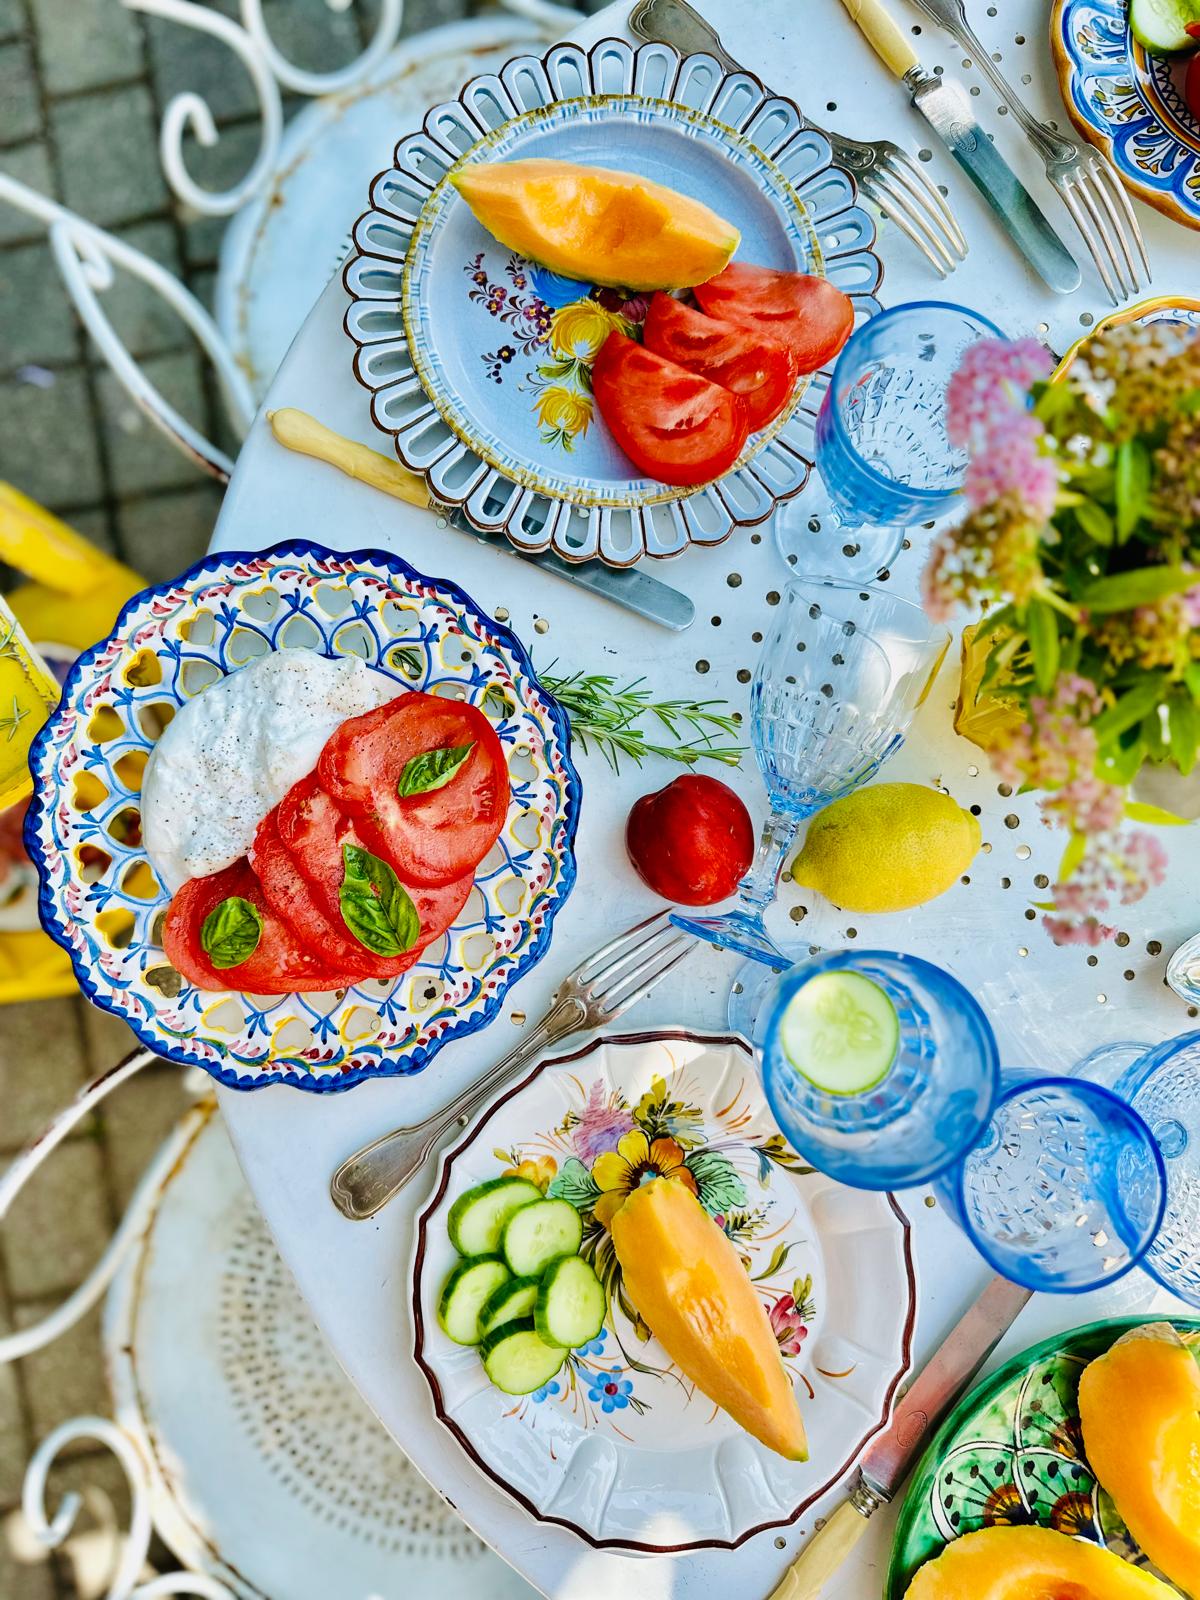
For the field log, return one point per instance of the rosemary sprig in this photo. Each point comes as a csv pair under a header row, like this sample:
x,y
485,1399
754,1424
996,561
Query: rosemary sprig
x,y
611,716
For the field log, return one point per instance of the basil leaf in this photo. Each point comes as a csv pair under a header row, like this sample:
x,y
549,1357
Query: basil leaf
x,y
230,932
375,905
1123,591
433,770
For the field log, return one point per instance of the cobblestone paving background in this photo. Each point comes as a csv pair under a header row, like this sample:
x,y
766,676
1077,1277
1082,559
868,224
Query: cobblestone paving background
x,y
82,88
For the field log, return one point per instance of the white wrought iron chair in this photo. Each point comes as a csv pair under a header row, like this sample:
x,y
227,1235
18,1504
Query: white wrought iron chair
x,y
244,1445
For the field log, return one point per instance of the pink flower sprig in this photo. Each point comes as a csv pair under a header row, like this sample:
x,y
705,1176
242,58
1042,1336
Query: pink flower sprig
x,y
1124,866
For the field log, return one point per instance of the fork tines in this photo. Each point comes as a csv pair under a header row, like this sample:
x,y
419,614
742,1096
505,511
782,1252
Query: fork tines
x,y
626,969
1104,215
904,194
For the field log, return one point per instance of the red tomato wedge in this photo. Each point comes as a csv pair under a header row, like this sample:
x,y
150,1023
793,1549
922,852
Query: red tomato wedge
x,y
290,895
431,837
280,963
810,315
672,424
313,829
733,354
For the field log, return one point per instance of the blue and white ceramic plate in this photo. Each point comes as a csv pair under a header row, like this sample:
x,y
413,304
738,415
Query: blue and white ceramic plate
x,y
479,361
101,900
1129,103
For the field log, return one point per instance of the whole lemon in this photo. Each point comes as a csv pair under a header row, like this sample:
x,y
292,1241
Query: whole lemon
x,y
886,848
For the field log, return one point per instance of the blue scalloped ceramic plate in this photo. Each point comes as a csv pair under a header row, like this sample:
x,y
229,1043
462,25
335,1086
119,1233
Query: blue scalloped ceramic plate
x,y
99,897
1129,103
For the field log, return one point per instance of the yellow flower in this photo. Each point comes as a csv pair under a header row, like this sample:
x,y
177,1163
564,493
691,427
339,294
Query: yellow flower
x,y
558,407
635,1161
581,328
538,1169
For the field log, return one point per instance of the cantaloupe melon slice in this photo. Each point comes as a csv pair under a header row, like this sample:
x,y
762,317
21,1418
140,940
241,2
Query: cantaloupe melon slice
x,y
1140,1409
690,1287
1007,1563
613,228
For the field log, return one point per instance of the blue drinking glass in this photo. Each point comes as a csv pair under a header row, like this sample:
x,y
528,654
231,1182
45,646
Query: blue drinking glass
x,y
1067,1188
934,1101
882,455
839,678
1162,1084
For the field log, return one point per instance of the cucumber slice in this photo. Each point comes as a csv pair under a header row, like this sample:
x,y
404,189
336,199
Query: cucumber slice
x,y
841,1032
477,1218
536,1235
1161,25
513,1299
464,1293
516,1360
570,1303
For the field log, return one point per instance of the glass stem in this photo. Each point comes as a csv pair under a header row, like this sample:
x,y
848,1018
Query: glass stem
x,y
757,888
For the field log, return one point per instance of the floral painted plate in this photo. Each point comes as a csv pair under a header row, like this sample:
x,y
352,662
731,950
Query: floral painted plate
x,y
1011,1453
1129,103
620,1447
479,361
100,899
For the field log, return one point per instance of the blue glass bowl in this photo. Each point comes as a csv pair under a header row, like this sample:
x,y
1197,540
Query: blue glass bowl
x,y
1067,1189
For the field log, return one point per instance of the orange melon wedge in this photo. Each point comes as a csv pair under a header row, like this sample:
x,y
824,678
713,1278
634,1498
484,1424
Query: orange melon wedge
x,y
613,228
691,1289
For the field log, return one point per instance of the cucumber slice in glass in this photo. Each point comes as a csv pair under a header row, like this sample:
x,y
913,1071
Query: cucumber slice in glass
x,y
1161,25
570,1303
517,1360
513,1299
841,1032
536,1235
477,1218
464,1294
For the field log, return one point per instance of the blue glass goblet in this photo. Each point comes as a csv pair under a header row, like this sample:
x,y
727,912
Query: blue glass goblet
x,y
838,681
1067,1188
1162,1084
883,458
932,1103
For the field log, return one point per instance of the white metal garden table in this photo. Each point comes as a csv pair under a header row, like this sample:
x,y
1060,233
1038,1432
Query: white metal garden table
x,y
1049,1005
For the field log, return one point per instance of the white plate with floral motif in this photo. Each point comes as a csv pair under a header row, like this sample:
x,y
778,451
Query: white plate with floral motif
x,y
479,361
620,1448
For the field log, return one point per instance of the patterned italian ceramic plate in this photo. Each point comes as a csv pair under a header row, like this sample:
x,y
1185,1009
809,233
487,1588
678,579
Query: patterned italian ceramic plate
x,y
479,362
1011,1453
620,1447
1129,103
100,899
1176,308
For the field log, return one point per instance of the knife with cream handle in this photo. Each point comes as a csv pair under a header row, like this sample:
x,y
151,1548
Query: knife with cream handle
x,y
887,1460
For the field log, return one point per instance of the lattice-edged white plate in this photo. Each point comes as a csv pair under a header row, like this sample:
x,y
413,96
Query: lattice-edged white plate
x,y
101,900
478,361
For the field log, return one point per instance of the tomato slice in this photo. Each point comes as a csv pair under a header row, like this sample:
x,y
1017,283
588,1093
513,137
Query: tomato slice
x,y
291,896
672,424
280,964
810,315
313,829
733,354
432,837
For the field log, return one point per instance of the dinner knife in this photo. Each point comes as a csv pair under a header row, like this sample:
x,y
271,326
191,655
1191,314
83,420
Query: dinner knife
x,y
624,586
886,1462
946,106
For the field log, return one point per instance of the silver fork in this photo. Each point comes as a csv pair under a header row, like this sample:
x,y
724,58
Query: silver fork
x,y
887,175
1085,179
595,994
